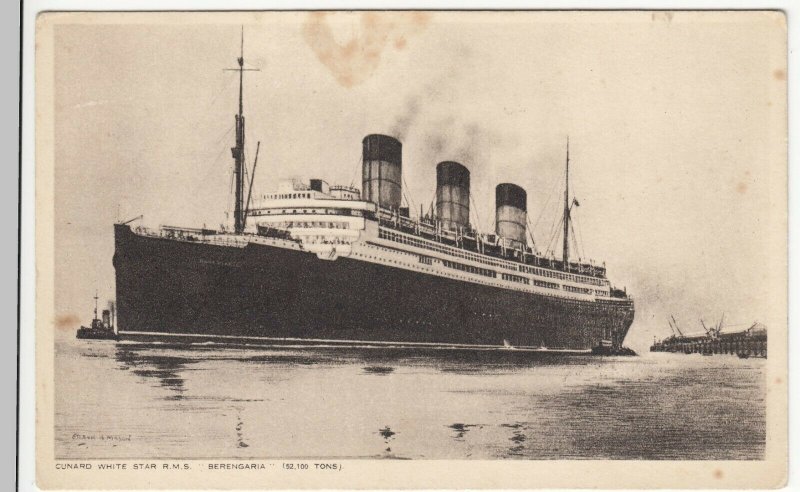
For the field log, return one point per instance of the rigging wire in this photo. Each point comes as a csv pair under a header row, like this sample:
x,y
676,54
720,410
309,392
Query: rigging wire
x,y
580,236
431,210
575,240
224,88
551,244
222,150
530,233
410,204
215,161
555,229
477,217
244,167
252,178
226,85
227,132
549,196
355,175
579,243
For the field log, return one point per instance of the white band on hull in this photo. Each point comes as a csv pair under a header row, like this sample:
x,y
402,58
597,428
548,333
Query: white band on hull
x,y
307,342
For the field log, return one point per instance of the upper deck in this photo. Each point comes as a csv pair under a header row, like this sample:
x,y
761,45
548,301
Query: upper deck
x,y
325,218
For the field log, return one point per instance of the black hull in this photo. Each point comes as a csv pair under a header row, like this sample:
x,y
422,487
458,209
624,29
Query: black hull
x,y
176,287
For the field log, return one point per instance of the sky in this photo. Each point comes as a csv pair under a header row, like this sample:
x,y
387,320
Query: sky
x,y
676,126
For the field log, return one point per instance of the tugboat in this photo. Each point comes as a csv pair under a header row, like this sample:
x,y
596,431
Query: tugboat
x,y
100,329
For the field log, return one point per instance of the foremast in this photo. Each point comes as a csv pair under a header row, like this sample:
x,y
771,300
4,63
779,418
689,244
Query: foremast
x,y
238,150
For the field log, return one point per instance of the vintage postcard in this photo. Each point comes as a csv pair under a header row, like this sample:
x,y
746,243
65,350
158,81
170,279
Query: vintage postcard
x,y
411,249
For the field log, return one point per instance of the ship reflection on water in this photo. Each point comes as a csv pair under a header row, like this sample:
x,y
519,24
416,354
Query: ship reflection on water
x,y
212,401
164,370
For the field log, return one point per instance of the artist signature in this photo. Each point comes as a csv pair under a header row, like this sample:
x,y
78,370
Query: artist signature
x,y
100,437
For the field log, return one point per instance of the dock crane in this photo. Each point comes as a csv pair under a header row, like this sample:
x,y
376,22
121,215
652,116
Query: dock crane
x,y
714,331
674,333
707,329
674,326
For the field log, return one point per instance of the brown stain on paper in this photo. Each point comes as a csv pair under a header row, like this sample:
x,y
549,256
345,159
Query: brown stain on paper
x,y
67,322
741,186
355,60
779,74
718,474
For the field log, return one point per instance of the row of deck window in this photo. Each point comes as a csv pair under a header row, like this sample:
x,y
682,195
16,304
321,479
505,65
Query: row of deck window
x,y
578,290
510,277
559,275
295,211
470,269
549,285
516,278
404,239
325,211
288,196
312,225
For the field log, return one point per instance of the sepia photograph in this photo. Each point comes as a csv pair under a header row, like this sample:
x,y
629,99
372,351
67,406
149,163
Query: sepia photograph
x,y
411,249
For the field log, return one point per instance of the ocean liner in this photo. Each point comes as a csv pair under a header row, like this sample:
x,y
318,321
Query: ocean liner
x,y
313,262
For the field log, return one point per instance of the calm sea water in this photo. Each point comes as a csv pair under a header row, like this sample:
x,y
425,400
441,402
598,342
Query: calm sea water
x,y
150,400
